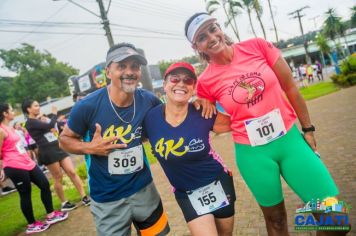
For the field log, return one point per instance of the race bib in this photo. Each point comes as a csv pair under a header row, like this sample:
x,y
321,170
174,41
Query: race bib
x,y
20,147
126,161
208,198
266,128
50,137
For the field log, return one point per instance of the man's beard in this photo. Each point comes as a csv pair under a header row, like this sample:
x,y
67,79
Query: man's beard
x,y
128,88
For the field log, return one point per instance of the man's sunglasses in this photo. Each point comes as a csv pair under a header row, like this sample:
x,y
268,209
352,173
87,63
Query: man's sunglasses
x,y
175,79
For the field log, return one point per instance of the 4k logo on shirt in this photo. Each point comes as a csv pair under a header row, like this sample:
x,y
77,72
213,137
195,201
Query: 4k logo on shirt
x,y
164,148
125,134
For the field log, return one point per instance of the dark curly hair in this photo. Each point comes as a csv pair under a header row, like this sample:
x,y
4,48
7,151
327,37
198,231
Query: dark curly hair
x,y
4,107
25,105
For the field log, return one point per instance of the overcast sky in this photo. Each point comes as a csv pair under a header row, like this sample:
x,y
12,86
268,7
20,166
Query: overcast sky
x,y
157,26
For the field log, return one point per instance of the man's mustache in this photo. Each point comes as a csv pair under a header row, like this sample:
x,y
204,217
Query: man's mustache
x,y
128,77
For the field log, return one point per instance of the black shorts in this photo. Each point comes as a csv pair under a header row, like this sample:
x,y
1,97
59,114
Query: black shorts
x,y
51,153
32,146
227,184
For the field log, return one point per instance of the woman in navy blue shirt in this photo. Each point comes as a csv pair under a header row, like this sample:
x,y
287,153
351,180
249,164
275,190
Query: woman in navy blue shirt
x,y
180,140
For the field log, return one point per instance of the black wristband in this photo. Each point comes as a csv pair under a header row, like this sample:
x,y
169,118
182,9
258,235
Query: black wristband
x,y
309,129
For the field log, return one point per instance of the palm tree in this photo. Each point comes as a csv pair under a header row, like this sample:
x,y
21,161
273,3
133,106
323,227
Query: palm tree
x,y
259,10
230,9
249,6
353,16
333,26
342,31
274,24
323,45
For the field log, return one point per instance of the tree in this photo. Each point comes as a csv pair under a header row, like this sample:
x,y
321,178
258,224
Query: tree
x,y
333,26
5,85
230,8
248,5
323,45
353,17
39,75
274,24
259,10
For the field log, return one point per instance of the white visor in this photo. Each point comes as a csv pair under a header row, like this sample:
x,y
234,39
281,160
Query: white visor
x,y
196,24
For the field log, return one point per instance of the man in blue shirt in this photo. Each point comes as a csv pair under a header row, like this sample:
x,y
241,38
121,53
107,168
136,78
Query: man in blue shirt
x,y
120,181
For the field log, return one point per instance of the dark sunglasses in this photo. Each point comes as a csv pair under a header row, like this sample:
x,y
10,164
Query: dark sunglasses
x,y
175,79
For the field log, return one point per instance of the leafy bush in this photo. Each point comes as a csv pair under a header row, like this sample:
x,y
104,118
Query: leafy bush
x,y
348,66
351,78
82,171
348,72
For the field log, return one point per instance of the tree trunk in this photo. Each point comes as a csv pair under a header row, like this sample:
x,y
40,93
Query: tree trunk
x,y
274,24
259,20
250,19
235,30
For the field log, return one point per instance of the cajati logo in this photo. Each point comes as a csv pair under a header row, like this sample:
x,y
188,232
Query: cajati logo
x,y
328,214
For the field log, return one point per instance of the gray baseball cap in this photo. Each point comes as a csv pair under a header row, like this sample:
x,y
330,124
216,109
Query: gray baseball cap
x,y
123,53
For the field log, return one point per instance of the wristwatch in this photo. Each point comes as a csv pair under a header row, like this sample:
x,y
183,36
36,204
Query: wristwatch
x,y
309,129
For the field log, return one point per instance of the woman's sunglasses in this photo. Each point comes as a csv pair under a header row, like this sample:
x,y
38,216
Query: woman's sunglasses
x,y
175,79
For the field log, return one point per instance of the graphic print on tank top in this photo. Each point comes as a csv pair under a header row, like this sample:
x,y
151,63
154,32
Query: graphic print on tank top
x,y
247,89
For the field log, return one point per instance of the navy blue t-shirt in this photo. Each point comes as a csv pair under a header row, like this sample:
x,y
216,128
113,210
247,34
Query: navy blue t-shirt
x,y
96,108
184,152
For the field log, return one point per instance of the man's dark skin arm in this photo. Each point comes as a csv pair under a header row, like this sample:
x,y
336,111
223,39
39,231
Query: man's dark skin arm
x,y
72,142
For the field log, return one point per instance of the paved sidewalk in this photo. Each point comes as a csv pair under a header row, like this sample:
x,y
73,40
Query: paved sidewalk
x,y
333,115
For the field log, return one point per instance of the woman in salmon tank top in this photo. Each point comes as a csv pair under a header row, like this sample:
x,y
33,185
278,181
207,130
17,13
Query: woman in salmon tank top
x,y
254,85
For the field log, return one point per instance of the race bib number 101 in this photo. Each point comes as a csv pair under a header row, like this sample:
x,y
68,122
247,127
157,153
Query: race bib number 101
x,y
266,128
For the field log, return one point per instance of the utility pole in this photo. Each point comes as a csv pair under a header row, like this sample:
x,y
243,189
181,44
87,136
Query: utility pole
x,y
314,20
105,23
296,14
102,16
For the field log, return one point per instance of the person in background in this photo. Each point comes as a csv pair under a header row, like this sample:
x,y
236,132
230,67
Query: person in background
x,y
42,130
16,164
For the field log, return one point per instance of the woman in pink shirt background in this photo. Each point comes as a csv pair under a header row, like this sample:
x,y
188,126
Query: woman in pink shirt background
x,y
254,85
16,164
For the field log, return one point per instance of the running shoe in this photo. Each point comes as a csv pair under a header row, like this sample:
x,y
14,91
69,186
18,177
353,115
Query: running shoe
x,y
36,227
68,206
86,201
57,216
7,190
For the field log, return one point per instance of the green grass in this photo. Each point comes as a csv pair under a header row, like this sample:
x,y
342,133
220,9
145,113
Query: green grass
x,y
13,222
318,90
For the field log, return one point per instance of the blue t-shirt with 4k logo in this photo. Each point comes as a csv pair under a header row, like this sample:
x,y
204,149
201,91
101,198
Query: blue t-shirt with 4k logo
x,y
96,108
184,152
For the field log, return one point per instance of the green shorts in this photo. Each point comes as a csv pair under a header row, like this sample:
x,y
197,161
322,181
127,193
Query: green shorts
x,y
291,157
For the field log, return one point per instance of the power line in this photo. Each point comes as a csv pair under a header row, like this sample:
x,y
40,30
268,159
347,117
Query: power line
x,y
79,33
157,7
149,11
55,13
297,15
5,22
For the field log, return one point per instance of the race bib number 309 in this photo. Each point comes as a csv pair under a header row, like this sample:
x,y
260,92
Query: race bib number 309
x,y
125,161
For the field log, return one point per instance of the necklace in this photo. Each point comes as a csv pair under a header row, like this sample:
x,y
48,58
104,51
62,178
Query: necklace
x,y
118,116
